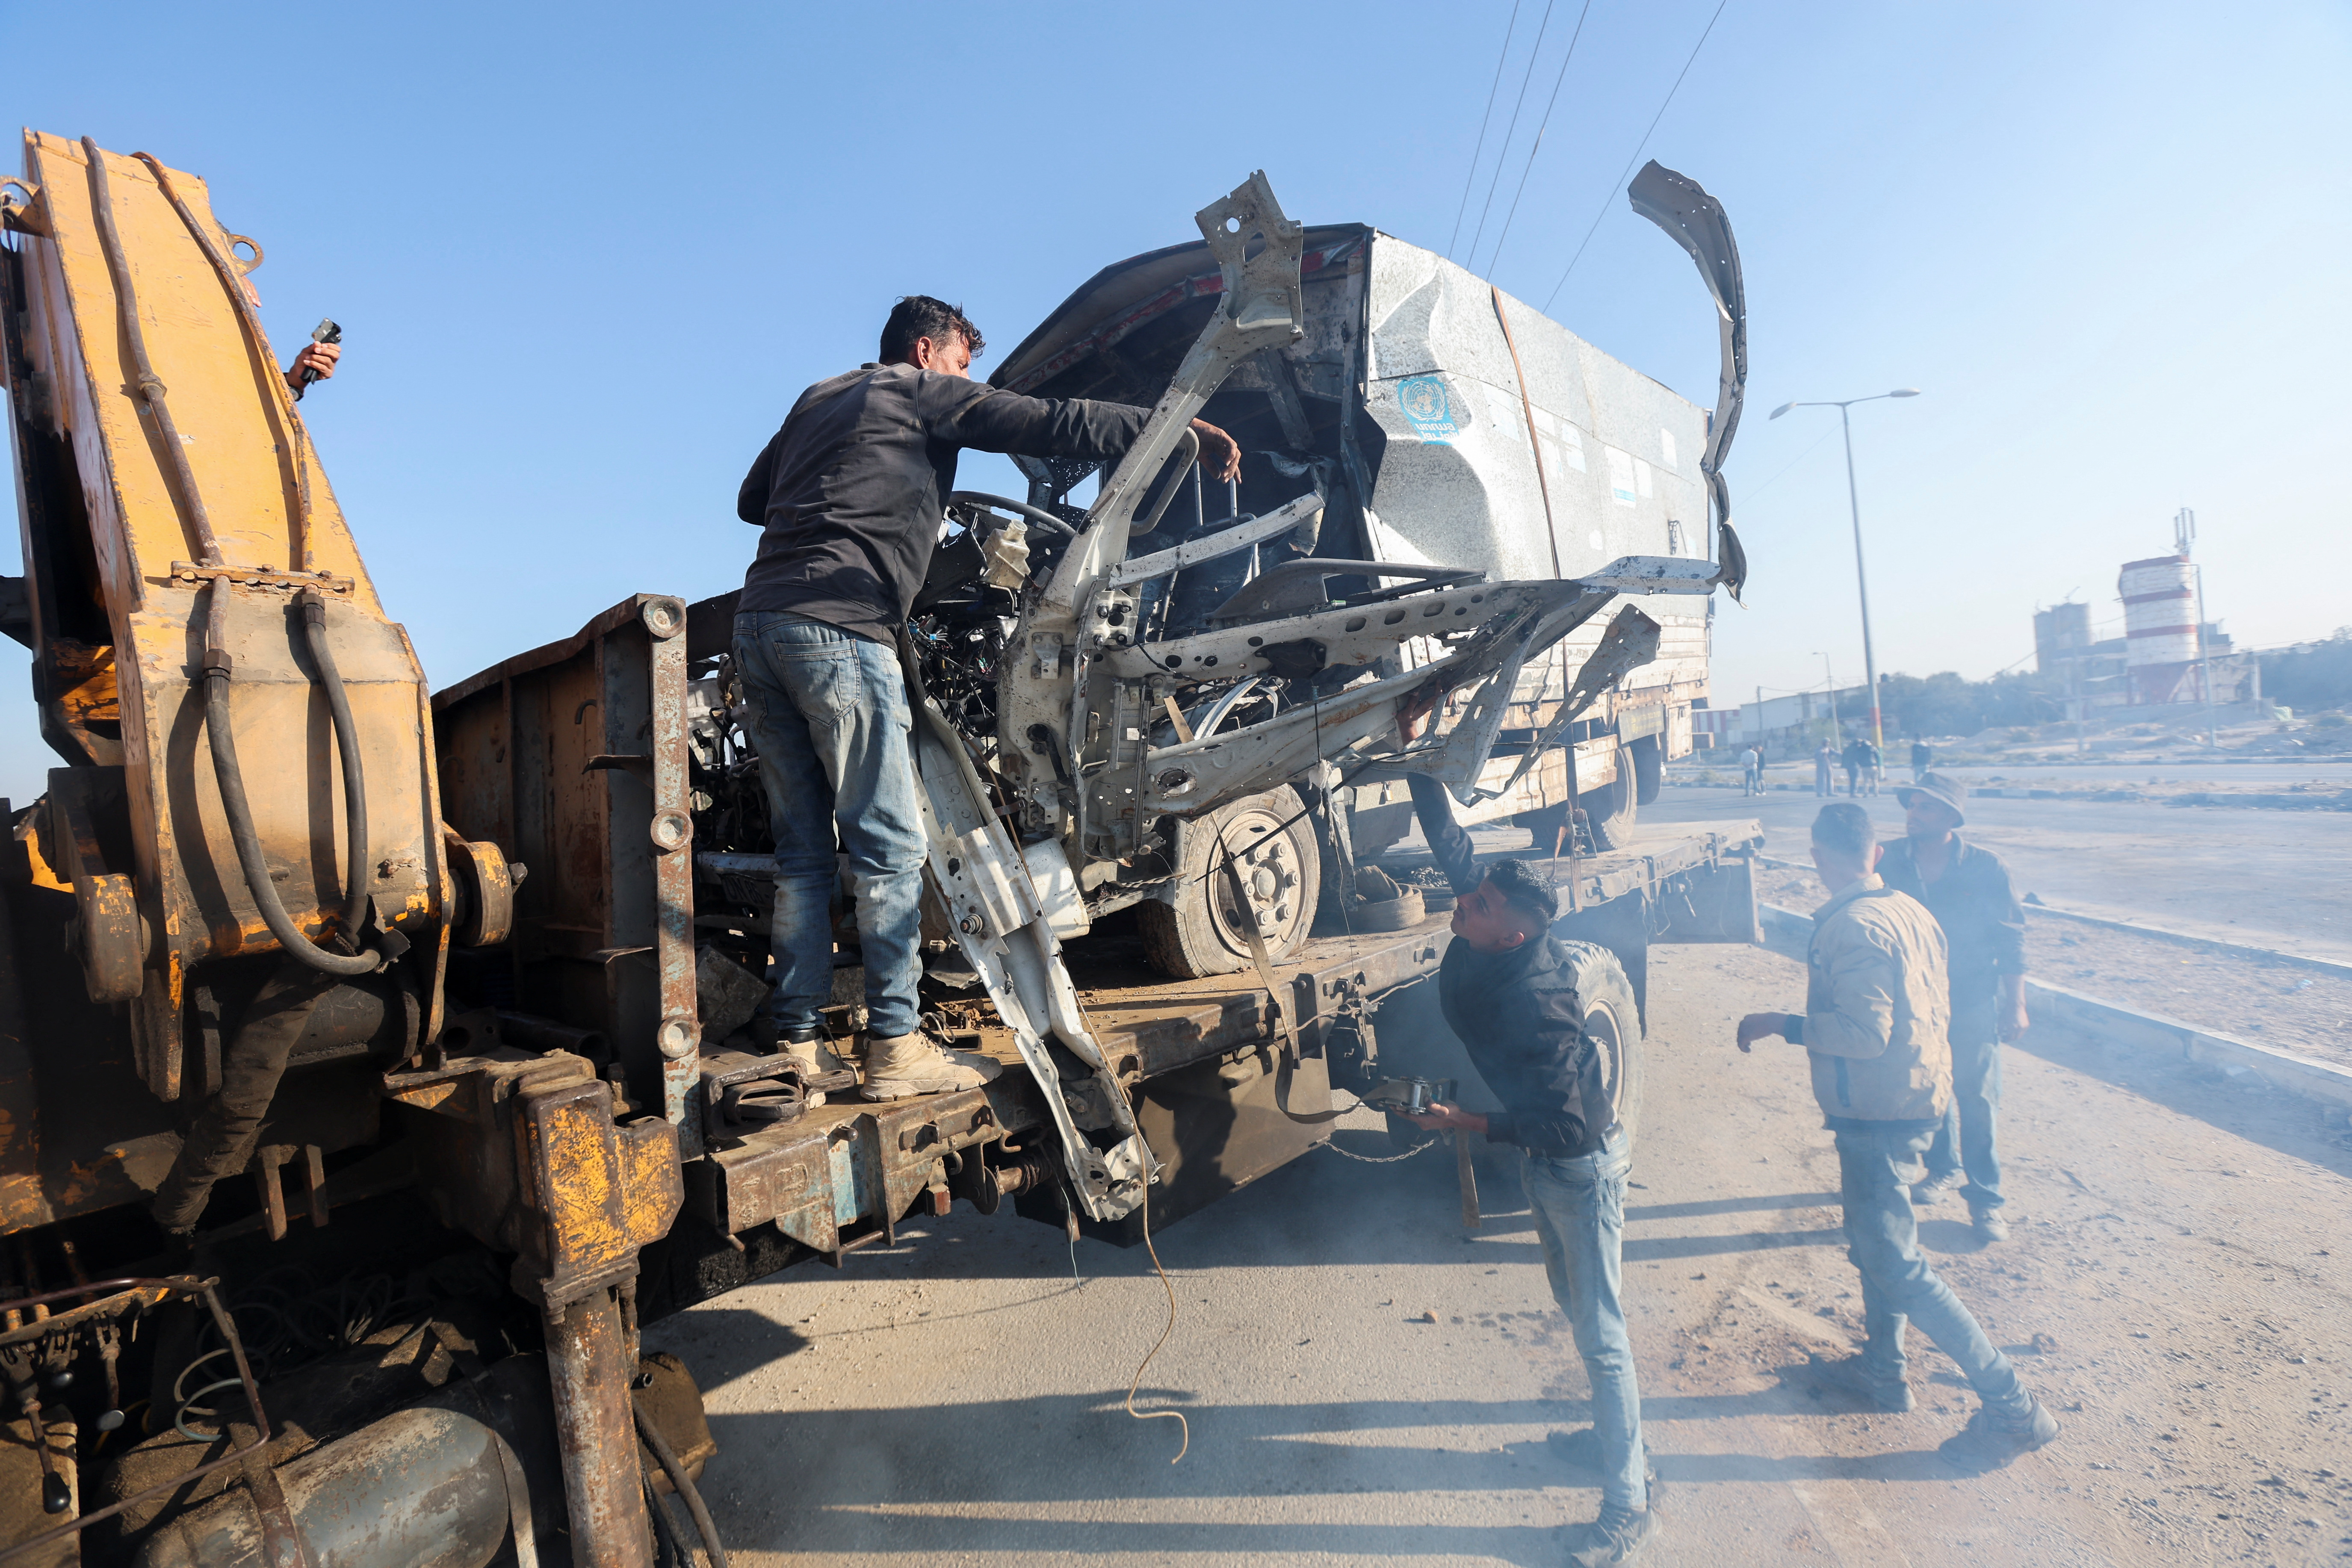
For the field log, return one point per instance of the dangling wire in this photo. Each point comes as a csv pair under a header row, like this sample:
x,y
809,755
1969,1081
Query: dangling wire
x,y
1137,1382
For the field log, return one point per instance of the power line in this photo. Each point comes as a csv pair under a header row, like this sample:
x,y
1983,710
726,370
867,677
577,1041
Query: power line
x,y
1622,178
1749,499
1538,147
1518,104
1470,180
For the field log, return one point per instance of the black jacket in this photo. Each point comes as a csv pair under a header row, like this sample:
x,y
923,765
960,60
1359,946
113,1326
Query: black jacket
x,y
1518,1016
1976,904
850,491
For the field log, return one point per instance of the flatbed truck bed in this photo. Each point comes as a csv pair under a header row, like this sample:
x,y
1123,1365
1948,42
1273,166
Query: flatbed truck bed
x,y
1198,1057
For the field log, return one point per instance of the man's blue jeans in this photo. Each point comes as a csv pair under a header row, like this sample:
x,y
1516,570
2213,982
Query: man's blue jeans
x,y
1579,1210
1970,1138
1876,1170
827,714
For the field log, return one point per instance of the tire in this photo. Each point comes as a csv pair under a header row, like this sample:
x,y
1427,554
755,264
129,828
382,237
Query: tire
x,y
1613,1024
1609,810
1199,934
1649,757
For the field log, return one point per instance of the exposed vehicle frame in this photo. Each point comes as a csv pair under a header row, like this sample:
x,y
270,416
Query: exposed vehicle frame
x,y
522,1094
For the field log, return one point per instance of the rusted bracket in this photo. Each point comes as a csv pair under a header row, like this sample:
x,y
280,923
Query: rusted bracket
x,y
108,935
30,215
191,572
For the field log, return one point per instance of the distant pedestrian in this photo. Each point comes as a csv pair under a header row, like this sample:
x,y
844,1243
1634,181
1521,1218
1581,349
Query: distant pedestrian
x,y
1873,1030
1751,770
1851,758
1923,757
1967,890
1825,771
1874,765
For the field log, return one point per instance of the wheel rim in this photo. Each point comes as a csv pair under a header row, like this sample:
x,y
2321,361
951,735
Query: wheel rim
x,y
1608,1041
1266,857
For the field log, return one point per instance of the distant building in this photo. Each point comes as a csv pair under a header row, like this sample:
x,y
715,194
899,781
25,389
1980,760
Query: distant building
x,y
2160,660
2087,672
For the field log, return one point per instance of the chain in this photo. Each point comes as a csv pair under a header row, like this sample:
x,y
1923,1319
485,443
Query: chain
x,y
1382,1159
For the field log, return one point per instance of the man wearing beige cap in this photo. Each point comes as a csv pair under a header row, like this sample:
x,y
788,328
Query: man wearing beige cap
x,y
1967,890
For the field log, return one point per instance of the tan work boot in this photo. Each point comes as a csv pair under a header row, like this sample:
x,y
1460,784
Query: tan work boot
x,y
899,1066
810,1056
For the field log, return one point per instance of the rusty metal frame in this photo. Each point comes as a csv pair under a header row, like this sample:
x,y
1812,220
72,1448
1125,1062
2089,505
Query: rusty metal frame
x,y
277,1526
623,737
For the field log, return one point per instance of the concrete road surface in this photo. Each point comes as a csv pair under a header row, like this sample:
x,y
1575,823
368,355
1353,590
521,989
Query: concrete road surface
x,y
2178,1288
2275,879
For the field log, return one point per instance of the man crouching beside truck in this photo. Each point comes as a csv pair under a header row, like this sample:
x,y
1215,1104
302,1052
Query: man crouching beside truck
x,y
1506,991
1873,1031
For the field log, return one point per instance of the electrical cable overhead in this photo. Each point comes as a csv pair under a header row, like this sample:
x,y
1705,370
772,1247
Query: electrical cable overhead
x,y
1503,156
1470,180
1644,142
1536,147
1749,499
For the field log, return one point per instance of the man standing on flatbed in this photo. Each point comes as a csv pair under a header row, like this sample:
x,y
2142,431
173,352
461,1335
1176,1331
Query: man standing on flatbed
x,y
1873,1031
1969,892
1507,990
849,496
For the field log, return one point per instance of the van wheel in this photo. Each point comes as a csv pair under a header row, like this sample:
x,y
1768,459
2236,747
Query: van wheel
x,y
1613,1024
1202,931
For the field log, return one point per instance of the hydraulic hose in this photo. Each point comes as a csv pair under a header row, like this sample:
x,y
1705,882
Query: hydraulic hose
x,y
151,385
233,281
681,1483
219,730
347,744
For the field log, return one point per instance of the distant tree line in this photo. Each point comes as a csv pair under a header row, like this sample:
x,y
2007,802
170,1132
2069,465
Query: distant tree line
x,y
2311,675
1944,704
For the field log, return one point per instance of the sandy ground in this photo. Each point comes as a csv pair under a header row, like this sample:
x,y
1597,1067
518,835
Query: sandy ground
x,y
2288,1005
2178,1287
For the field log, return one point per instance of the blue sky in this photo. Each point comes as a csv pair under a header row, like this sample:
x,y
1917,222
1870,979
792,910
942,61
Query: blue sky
x,y
586,255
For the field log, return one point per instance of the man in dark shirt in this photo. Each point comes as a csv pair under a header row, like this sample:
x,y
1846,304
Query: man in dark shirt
x,y
1923,757
849,496
1852,759
1508,992
1967,890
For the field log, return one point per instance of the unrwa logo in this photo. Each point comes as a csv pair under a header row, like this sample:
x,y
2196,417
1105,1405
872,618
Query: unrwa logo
x,y
1423,399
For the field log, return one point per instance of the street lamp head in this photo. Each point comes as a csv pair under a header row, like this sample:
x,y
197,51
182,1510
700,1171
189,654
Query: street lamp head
x,y
1905,391
1782,409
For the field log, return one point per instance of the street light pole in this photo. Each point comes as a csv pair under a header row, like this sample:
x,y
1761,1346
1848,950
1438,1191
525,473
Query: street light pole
x,y
1861,578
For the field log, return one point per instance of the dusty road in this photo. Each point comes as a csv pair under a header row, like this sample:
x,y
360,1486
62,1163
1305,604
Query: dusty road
x,y
2275,879
2181,1251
